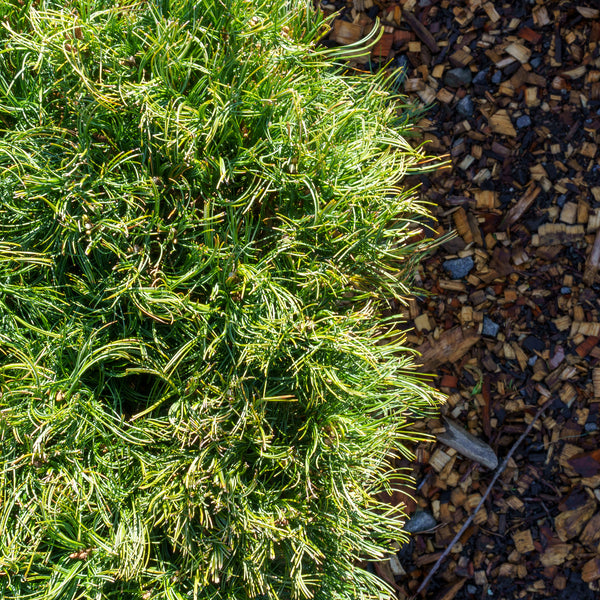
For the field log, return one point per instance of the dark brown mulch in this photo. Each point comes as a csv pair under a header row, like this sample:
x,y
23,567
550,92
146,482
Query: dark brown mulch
x,y
510,314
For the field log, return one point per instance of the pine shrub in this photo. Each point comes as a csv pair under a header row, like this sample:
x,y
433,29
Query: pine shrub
x,y
201,225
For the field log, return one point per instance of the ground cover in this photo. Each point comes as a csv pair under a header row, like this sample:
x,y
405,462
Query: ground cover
x,y
511,319
201,228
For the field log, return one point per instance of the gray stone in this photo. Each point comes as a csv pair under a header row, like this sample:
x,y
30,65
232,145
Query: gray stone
x,y
458,77
420,521
489,327
497,77
467,444
459,267
481,77
465,107
523,121
396,566
589,427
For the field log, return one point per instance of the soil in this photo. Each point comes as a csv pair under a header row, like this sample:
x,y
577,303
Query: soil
x,y
509,317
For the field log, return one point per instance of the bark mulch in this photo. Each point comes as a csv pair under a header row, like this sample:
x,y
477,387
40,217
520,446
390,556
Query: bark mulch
x,y
509,320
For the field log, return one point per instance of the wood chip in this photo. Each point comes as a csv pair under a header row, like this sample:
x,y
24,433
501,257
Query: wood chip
x,y
346,33
570,523
422,323
522,205
500,123
439,459
491,12
588,13
555,554
421,31
590,536
593,261
596,382
519,51
591,570
449,592
523,541
450,346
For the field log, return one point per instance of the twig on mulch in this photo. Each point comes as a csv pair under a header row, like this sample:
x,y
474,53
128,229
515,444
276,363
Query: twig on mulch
x,y
468,522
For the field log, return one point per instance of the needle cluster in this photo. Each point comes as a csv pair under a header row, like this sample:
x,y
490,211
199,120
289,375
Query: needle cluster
x,y
200,226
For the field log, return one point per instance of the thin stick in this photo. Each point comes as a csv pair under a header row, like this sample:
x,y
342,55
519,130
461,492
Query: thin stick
x,y
487,492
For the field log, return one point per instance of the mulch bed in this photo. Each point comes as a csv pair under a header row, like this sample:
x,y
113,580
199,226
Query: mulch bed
x,y
510,314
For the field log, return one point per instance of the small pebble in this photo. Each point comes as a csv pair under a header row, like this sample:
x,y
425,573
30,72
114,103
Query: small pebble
x,y
465,107
497,77
532,360
481,77
590,427
420,521
489,327
565,290
459,267
523,121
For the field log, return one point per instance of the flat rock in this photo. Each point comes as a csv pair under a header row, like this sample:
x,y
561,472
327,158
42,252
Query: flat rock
x,y
420,521
459,267
458,77
467,444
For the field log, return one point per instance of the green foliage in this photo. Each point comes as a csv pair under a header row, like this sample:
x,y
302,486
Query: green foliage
x,y
200,224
